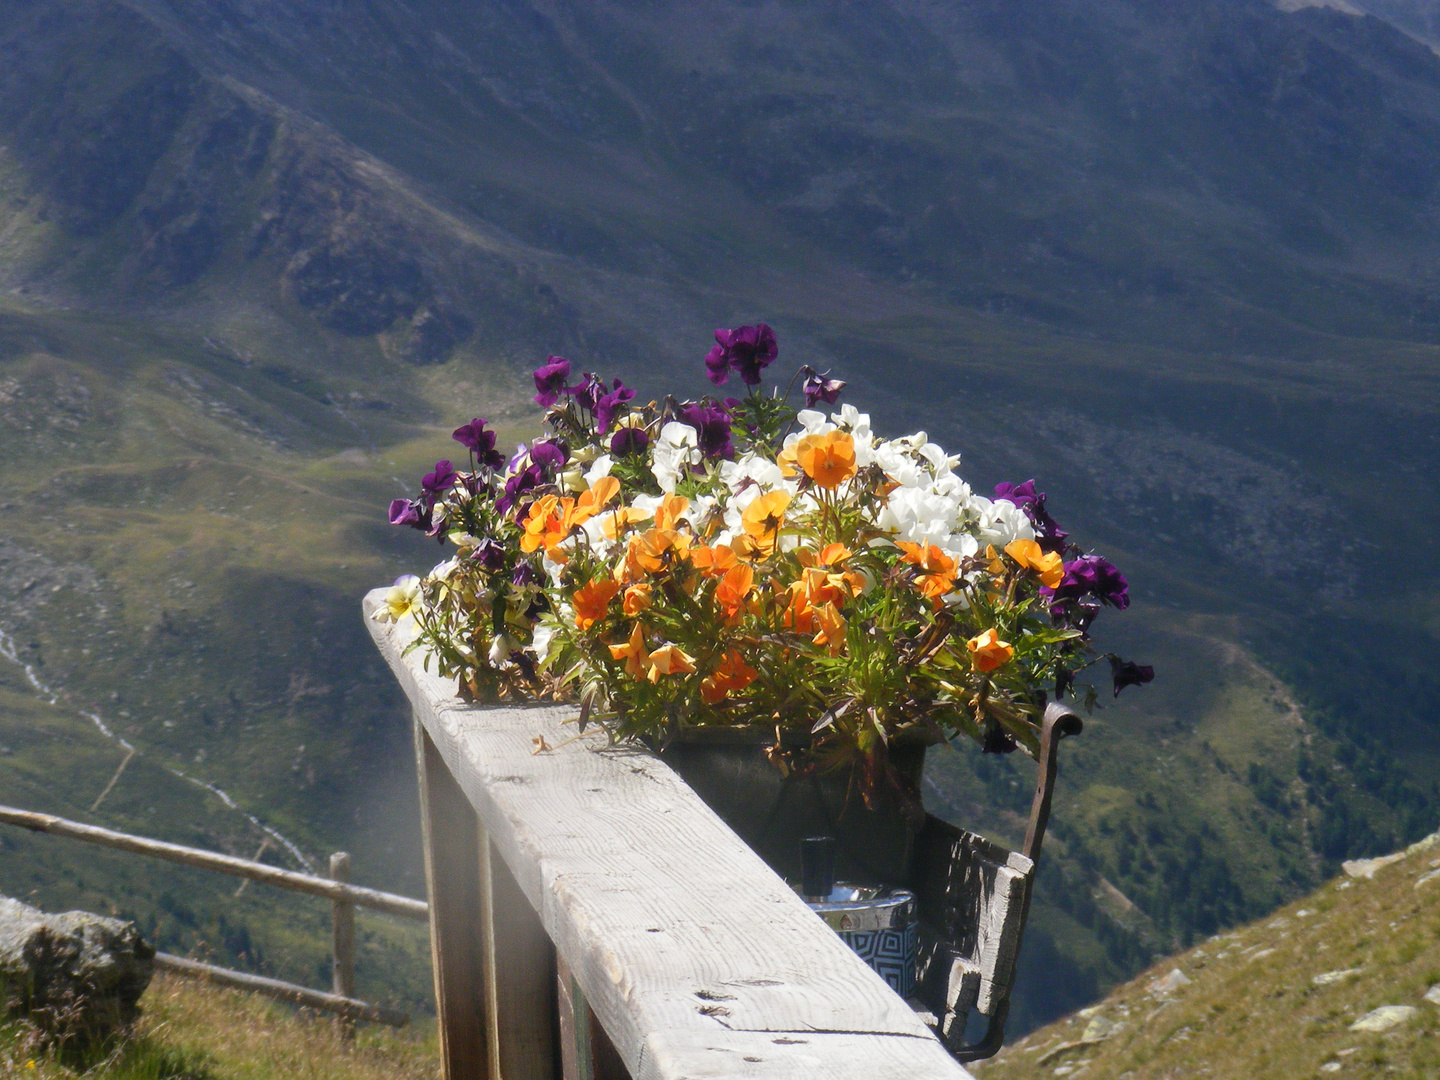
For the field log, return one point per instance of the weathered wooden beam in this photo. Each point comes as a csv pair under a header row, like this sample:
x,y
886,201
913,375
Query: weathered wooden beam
x,y
296,995
697,959
455,844
520,980
211,860
342,938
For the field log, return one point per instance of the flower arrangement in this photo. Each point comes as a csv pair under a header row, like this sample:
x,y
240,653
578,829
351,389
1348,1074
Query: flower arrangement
x,y
738,562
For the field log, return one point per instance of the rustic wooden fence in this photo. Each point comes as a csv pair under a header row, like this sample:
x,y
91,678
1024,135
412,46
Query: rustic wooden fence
x,y
591,917
343,896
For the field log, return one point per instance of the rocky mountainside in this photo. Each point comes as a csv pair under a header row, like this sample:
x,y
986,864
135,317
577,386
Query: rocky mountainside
x,y
1345,981
259,257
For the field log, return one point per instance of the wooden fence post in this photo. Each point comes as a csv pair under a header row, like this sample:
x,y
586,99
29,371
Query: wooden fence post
x,y
520,979
342,977
455,846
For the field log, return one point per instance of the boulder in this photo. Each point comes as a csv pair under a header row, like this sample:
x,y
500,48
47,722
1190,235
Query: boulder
x,y
1384,1018
74,976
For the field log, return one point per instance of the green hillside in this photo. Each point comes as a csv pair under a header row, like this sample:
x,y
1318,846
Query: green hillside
x,y
1346,980
257,260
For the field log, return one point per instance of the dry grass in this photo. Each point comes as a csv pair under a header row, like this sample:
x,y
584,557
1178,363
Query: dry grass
x,y
190,1031
1252,1007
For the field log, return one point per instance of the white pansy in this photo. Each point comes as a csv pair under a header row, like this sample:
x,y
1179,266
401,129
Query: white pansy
x,y
443,570
540,640
812,421
502,647
752,470
600,467
675,451
401,600
572,480
1000,522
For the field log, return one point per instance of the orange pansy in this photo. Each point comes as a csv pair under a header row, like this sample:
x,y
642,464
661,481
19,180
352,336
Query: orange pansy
x,y
831,632
828,459
988,652
667,514
633,652
1048,565
762,520
732,674
937,570
713,560
637,599
669,660
734,587
656,549
591,602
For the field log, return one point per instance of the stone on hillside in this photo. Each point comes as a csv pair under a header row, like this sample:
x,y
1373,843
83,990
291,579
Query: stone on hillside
x,y
1170,983
74,975
1425,879
1384,1018
1335,976
1432,995
1098,1030
1365,868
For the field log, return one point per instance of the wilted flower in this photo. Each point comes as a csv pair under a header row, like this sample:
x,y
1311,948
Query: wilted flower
x,y
745,350
1128,673
481,443
412,512
590,391
607,404
550,380
988,652
819,387
490,554
517,486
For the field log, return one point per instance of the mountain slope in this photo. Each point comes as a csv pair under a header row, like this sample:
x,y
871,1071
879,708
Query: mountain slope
x,y
258,258
1345,981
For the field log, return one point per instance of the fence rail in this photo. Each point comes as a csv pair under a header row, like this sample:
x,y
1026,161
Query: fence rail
x,y
337,889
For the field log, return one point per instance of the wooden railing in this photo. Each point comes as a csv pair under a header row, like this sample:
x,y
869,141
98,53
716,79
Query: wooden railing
x,y
591,916
343,896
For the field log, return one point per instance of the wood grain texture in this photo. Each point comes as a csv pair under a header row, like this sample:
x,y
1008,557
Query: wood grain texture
x,y
454,844
696,958
520,973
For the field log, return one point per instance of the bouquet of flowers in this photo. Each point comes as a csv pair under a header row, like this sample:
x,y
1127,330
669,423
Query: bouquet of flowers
x,y
737,562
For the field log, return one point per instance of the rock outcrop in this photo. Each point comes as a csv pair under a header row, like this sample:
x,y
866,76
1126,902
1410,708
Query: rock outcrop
x,y
75,975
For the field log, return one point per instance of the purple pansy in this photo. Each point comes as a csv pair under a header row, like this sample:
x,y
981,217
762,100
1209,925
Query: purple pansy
x,y
629,440
490,554
1022,495
516,487
550,380
1128,673
412,512
550,455
480,442
744,350
591,389
606,405
525,574
712,426
441,480
817,387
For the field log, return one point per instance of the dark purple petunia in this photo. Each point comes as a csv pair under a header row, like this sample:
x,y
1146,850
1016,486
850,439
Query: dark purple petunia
x,y
1128,673
1092,575
1022,495
480,442
995,739
629,440
712,426
606,406
1048,533
490,554
517,486
819,388
438,482
744,350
